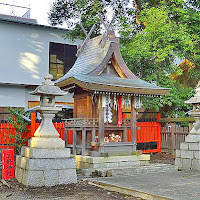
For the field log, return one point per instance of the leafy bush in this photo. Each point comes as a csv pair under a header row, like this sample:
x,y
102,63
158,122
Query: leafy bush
x,y
19,125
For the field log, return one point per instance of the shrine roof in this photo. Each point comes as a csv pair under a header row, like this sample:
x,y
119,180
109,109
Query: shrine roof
x,y
115,84
94,57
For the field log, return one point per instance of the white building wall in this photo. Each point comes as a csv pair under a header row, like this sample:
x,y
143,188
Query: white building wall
x,y
24,55
12,96
24,52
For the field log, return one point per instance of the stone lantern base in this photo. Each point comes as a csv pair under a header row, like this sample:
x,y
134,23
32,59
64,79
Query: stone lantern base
x,y
188,156
38,167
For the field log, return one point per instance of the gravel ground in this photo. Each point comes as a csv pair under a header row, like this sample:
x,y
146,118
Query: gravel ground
x,y
162,158
80,191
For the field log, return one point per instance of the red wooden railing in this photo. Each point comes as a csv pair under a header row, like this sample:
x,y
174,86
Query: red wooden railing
x,y
146,132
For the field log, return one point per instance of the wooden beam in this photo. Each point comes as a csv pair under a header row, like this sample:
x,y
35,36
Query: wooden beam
x,y
82,28
133,120
93,134
86,39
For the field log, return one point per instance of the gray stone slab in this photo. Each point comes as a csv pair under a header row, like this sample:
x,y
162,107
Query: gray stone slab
x,y
33,178
187,163
18,160
50,178
179,163
47,164
192,138
187,154
184,146
45,153
178,153
19,174
67,176
197,154
129,164
176,185
196,164
194,146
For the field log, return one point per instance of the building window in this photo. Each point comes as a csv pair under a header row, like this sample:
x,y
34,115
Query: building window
x,y
62,57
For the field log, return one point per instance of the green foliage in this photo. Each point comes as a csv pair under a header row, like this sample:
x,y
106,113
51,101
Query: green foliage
x,y
153,34
19,124
72,11
151,53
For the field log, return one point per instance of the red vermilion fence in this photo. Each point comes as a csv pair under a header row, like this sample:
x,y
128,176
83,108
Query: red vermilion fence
x,y
148,133
148,136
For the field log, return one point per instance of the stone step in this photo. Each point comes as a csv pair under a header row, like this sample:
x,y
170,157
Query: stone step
x,y
103,172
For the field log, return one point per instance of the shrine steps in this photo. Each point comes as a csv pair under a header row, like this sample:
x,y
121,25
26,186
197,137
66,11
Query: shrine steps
x,y
126,171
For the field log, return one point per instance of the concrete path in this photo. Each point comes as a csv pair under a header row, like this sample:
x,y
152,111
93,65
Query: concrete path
x,y
170,185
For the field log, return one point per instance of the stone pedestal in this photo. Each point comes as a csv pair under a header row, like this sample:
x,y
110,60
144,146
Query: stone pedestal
x,y
45,167
188,156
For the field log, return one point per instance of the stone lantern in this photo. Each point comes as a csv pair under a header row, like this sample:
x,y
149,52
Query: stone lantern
x,y
46,136
46,161
188,156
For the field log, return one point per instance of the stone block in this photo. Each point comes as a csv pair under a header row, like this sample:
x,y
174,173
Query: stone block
x,y
129,164
67,176
197,154
96,165
23,162
178,153
196,164
47,143
33,178
187,163
187,154
112,164
82,165
144,162
45,153
179,163
49,164
19,174
184,146
18,160
50,178
194,146
143,157
192,138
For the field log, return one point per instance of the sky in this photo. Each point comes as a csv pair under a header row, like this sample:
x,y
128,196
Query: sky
x,y
39,8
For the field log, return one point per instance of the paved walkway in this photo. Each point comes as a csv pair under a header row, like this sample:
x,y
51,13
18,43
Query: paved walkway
x,y
171,185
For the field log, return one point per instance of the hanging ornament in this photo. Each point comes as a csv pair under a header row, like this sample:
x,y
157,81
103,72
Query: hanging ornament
x,y
138,102
115,102
103,101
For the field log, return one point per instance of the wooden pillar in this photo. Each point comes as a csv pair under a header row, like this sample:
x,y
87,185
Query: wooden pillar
x,y
133,120
89,107
173,138
125,135
83,141
93,134
101,120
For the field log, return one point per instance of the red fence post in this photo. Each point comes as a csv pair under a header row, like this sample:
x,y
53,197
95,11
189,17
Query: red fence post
x,y
33,123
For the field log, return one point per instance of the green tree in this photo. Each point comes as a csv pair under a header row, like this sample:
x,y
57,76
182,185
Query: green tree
x,y
19,125
153,34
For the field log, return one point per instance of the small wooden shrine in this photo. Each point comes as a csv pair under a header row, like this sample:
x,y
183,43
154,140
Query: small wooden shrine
x,y
104,91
